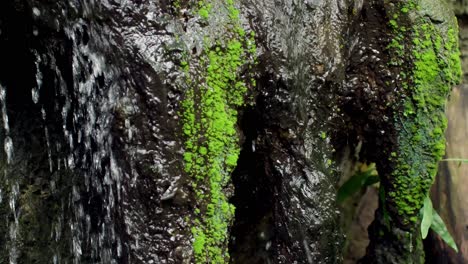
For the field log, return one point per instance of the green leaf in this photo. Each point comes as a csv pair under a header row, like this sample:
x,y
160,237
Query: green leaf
x,y
371,180
459,160
439,227
427,213
356,183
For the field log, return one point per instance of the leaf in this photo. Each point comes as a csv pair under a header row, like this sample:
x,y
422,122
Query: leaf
x,y
459,160
371,180
351,186
427,213
439,227
355,183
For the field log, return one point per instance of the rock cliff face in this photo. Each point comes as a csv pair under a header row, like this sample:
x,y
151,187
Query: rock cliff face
x,y
448,192
212,131
126,120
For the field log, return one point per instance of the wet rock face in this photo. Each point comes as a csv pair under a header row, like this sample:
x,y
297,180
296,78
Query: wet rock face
x,y
413,100
283,164
96,172
448,197
93,132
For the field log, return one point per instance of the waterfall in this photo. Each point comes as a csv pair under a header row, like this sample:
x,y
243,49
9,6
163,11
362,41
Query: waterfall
x,y
8,143
90,142
14,192
75,104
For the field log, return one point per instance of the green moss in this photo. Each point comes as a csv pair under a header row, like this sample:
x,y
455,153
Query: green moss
x,y
204,10
323,135
421,121
209,127
393,23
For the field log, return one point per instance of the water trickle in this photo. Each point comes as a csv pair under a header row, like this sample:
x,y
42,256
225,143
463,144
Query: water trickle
x,y
8,143
36,11
14,226
35,90
91,142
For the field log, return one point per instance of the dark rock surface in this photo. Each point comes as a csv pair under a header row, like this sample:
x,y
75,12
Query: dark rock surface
x,y
448,192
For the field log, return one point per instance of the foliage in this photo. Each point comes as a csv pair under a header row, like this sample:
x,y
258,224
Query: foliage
x,y
438,226
431,219
426,217
460,161
358,181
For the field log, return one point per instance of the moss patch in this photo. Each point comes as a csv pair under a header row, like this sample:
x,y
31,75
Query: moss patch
x,y
209,127
428,57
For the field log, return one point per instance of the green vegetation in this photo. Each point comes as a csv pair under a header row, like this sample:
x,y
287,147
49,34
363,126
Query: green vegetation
x,y
438,226
433,51
431,219
426,213
357,182
209,126
204,10
460,161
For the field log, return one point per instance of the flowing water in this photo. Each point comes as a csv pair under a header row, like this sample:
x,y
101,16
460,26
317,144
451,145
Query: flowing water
x,y
75,104
13,199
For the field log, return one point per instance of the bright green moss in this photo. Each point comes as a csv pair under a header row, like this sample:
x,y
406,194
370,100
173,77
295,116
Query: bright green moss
x,y
209,126
435,59
203,13
393,23
204,9
199,244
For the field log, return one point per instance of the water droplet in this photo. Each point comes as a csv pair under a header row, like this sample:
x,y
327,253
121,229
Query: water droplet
x,y
36,11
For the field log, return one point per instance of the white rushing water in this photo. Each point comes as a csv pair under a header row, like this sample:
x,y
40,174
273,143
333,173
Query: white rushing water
x,y
90,142
14,226
14,192
8,143
35,90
